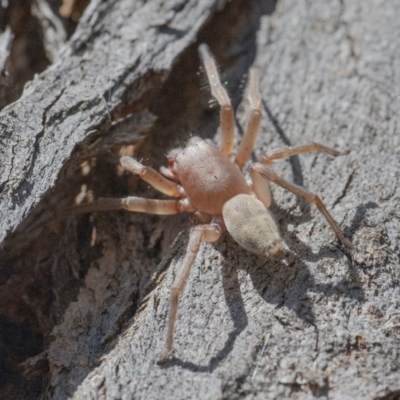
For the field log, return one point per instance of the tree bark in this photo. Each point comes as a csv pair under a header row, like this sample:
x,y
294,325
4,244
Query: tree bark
x,y
85,299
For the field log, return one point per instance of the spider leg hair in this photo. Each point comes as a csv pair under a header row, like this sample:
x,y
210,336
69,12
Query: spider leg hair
x,y
227,120
152,177
254,121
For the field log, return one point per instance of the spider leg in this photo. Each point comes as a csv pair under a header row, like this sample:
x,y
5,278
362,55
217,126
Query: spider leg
x,y
263,191
269,174
253,123
136,204
200,233
227,120
285,152
261,187
152,177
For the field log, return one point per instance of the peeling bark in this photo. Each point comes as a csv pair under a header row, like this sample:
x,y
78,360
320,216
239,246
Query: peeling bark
x,y
84,300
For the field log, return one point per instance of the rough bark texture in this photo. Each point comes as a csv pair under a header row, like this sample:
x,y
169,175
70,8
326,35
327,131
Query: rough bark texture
x,y
84,300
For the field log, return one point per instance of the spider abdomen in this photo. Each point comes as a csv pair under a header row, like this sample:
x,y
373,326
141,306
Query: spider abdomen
x,y
252,226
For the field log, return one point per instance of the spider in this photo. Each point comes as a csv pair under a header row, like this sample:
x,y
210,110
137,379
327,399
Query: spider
x,y
204,179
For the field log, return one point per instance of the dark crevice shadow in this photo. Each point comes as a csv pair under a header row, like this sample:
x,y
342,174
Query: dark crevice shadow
x,y
233,62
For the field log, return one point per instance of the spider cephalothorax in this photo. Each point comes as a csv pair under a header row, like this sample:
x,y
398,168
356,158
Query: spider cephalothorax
x,y
204,179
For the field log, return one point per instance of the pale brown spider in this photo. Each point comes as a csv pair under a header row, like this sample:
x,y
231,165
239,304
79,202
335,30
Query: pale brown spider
x,y
206,181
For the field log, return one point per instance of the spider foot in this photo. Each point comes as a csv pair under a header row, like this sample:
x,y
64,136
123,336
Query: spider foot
x,y
165,355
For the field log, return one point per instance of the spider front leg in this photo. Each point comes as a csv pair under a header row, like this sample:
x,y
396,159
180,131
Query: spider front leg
x,y
134,204
227,120
201,233
269,174
139,204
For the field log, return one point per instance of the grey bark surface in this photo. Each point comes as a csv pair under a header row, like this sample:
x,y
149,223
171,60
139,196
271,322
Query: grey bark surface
x,y
320,323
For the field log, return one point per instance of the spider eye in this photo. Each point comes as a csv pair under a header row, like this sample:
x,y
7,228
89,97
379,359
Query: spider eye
x,y
170,163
